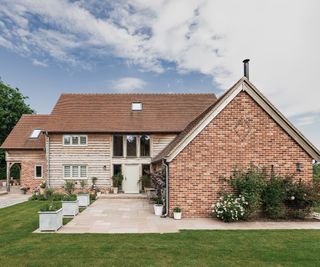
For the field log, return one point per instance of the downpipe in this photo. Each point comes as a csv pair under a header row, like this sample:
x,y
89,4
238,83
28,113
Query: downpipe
x,y
164,162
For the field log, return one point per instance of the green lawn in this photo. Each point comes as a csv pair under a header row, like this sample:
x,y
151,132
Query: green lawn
x,y
20,247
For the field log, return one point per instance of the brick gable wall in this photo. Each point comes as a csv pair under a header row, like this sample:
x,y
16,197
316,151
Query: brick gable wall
x,y
241,134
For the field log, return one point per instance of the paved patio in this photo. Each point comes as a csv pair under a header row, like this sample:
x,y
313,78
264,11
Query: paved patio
x,y
136,216
12,199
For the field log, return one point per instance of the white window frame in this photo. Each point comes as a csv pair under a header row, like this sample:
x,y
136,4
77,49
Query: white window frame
x,y
35,171
71,171
72,136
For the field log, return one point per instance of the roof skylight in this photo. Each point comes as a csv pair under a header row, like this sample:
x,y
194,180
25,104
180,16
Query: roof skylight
x,y
136,106
35,133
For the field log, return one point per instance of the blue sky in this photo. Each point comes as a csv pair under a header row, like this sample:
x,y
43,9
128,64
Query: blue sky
x,y
55,46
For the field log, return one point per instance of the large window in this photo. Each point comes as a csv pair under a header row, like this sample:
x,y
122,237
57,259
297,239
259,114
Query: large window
x,y
131,146
75,140
145,146
117,169
127,145
118,146
75,171
38,171
145,169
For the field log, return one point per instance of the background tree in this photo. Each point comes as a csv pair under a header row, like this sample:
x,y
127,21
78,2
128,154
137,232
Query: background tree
x,y
12,106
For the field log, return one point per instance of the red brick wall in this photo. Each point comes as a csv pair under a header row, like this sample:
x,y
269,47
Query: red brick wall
x,y
28,173
241,134
28,159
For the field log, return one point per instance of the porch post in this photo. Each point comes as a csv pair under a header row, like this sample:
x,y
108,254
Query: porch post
x,y
8,176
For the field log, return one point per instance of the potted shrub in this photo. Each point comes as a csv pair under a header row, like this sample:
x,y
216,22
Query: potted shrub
x,y
83,197
42,186
117,181
50,217
177,212
94,180
70,205
158,206
98,192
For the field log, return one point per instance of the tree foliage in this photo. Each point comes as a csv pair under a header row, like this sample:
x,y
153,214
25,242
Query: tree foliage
x,y
12,106
316,172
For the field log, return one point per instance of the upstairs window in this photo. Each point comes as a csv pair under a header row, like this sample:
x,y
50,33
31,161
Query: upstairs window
x,y
75,140
118,146
136,106
131,146
35,134
145,146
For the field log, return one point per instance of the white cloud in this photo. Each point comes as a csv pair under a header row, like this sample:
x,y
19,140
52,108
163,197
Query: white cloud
x,y
128,84
36,62
207,36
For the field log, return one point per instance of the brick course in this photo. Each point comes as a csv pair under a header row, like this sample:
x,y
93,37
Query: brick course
x,y
243,133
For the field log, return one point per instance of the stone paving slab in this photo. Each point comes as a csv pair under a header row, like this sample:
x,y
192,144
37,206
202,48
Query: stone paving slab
x,y
136,216
12,199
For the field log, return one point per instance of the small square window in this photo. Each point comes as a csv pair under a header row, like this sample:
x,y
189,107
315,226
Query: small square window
x,y
67,171
136,106
83,140
38,171
75,140
75,171
83,171
67,140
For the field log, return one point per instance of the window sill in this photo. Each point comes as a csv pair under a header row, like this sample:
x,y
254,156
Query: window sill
x,y
75,178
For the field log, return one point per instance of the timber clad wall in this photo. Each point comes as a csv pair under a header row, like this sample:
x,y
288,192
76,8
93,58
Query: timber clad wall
x,y
28,160
241,134
160,141
95,155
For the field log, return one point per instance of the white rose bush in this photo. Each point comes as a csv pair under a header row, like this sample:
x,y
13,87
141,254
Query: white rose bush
x,y
230,208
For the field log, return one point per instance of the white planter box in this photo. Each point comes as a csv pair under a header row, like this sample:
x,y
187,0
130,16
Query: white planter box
x,y
84,200
316,215
177,215
98,194
158,209
50,220
4,184
70,208
115,190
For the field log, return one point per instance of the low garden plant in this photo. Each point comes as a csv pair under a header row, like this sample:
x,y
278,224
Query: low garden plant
x,y
230,208
276,197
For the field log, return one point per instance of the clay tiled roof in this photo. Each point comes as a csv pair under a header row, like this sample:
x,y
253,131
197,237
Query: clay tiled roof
x,y
19,136
112,112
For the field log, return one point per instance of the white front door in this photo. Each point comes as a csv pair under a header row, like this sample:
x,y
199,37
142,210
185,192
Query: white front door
x,y
131,179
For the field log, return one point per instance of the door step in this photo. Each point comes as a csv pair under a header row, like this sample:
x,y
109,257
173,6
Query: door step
x,y
123,196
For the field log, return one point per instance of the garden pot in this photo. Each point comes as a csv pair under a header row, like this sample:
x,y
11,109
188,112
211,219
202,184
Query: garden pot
x,y
177,215
4,184
84,200
158,209
70,208
50,220
115,190
98,194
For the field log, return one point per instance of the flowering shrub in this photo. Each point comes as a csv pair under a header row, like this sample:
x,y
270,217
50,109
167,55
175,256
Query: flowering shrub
x,y
230,208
